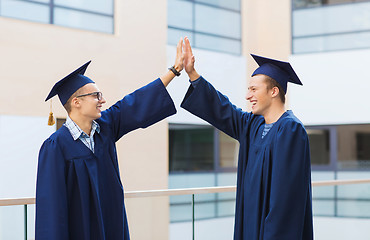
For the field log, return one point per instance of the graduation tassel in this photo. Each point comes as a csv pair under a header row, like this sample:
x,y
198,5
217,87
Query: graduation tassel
x,y
51,120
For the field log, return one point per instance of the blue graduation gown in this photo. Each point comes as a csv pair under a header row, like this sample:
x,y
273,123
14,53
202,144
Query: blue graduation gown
x,y
273,199
79,194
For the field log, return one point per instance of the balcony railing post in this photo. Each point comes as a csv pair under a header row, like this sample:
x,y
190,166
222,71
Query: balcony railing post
x,y
25,222
193,214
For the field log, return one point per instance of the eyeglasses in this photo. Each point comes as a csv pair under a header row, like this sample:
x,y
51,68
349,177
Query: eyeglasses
x,y
98,95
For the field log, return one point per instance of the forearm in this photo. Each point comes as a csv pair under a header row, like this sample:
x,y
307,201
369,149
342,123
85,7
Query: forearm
x,y
142,108
193,75
212,106
168,76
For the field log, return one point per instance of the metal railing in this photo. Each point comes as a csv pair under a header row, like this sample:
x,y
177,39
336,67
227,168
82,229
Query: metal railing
x,y
173,192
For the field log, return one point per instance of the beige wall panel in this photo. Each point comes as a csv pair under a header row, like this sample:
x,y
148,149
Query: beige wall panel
x,y
147,217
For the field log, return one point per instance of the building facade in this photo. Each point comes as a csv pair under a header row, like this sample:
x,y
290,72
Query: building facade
x,y
131,43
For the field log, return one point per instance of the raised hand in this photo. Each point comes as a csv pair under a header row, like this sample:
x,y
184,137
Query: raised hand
x,y
179,61
179,65
189,61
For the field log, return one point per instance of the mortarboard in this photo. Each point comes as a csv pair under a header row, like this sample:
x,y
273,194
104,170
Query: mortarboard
x,y
70,84
67,86
282,72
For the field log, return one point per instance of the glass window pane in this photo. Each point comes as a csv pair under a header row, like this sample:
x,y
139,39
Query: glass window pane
x,y
355,191
363,146
353,146
180,208
217,21
326,192
191,149
308,45
323,207
226,208
319,146
204,209
100,6
174,35
316,3
330,43
217,44
42,1
191,180
226,179
229,149
25,10
231,4
31,210
306,3
354,208
60,122
76,19
12,222
333,19
180,14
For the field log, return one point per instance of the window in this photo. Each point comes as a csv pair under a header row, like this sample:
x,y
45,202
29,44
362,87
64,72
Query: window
x,y
319,146
363,146
191,148
228,150
211,25
330,28
93,15
60,122
340,147
316,3
194,148
201,156
354,147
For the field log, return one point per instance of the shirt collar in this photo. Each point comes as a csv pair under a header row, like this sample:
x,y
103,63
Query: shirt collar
x,y
77,132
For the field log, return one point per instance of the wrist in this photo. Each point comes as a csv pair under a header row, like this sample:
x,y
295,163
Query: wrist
x,y
193,75
177,68
174,70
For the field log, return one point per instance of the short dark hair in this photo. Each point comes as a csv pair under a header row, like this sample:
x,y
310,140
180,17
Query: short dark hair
x,y
67,106
271,83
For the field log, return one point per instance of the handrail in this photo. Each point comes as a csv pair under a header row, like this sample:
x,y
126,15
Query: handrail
x,y
186,191
17,201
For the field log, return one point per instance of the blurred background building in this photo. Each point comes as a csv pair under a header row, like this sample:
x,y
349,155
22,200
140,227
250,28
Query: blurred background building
x,y
131,43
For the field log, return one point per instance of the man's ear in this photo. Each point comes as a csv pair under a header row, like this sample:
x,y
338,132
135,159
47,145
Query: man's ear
x,y
75,103
275,92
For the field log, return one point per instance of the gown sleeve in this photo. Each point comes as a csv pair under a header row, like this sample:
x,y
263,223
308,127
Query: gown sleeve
x,y
290,184
51,194
207,103
140,109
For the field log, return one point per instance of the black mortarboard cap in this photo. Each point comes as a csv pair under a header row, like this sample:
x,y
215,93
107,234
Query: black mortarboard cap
x,y
70,84
282,72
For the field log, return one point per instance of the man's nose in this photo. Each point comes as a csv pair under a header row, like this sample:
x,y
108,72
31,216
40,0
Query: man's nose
x,y
102,100
249,96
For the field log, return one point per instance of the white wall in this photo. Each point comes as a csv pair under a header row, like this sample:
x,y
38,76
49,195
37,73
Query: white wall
x,y
20,140
324,228
226,72
215,229
335,87
341,228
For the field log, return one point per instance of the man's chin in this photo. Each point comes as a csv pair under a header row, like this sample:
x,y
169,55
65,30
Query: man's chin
x,y
256,112
97,116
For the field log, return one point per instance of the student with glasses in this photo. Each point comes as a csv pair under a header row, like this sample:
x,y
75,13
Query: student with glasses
x,y
79,194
